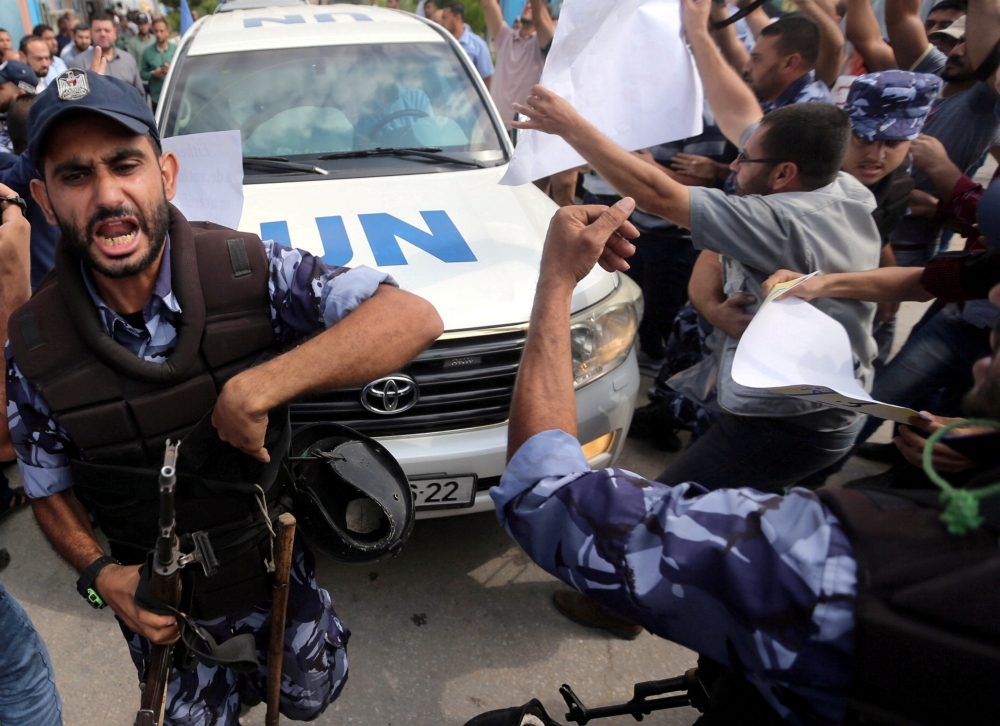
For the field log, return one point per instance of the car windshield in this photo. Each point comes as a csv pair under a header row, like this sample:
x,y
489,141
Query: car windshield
x,y
300,104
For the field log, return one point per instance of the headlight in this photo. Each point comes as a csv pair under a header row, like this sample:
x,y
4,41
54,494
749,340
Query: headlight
x,y
602,335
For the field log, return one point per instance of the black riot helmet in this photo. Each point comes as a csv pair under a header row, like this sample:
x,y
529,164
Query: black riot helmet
x,y
350,496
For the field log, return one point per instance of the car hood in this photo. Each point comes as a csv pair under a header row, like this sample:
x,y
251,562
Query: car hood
x,y
459,239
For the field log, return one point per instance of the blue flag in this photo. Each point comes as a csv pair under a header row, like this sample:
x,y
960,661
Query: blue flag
x,y
512,10
186,19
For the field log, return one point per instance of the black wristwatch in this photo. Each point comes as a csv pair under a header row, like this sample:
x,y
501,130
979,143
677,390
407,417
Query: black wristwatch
x,y
23,205
83,585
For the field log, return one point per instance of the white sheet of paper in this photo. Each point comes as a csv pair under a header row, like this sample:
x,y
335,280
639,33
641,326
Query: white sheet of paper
x,y
624,66
793,348
210,182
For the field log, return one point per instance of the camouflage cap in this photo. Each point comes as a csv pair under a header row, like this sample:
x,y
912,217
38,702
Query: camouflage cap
x,y
891,105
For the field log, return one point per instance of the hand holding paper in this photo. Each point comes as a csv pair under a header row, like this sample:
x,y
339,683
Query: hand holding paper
x,y
795,349
547,112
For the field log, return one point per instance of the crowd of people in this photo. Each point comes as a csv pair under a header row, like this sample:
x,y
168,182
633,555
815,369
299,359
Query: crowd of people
x,y
806,604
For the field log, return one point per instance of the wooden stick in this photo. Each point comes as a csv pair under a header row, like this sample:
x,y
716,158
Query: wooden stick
x,y
283,541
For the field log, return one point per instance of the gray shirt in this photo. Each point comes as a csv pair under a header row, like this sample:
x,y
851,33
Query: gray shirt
x,y
831,230
121,66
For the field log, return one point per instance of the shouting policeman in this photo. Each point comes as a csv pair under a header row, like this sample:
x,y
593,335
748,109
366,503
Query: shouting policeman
x,y
151,327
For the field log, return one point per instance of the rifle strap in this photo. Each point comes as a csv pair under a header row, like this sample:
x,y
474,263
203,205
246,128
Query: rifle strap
x,y
239,653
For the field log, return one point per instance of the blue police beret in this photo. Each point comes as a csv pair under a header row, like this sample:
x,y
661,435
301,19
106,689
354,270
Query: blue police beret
x,y
891,105
19,74
75,91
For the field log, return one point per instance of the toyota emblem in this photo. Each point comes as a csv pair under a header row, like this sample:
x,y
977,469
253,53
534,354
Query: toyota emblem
x,y
391,394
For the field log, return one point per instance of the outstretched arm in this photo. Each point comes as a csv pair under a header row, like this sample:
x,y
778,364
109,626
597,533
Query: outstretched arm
x,y
731,100
544,25
982,29
493,15
831,42
15,286
881,285
906,31
730,45
382,335
866,36
651,187
578,238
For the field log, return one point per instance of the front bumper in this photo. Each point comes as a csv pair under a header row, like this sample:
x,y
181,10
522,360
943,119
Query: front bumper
x,y
604,406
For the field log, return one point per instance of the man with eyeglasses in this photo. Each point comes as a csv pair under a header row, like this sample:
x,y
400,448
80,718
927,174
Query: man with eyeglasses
x,y
792,202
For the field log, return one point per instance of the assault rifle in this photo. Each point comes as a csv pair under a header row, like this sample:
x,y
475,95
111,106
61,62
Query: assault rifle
x,y
642,703
165,585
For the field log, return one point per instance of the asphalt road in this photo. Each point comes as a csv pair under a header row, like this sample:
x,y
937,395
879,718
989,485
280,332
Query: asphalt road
x,y
458,624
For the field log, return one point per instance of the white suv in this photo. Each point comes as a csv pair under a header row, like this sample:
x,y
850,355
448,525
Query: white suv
x,y
369,139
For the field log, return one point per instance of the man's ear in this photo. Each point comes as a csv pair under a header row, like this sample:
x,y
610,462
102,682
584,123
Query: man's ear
x,y
169,168
41,194
791,62
785,177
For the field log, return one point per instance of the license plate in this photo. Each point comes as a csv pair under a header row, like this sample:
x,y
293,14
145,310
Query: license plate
x,y
444,492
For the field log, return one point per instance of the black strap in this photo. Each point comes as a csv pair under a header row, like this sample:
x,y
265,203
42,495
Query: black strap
x,y
738,15
239,653
238,257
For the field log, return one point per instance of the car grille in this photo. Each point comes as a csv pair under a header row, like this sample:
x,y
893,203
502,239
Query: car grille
x,y
463,382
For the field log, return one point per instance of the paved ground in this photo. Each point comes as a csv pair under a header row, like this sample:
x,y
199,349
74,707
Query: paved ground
x,y
458,624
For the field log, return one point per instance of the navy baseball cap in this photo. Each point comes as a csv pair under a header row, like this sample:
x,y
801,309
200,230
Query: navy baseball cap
x,y
76,91
891,105
20,74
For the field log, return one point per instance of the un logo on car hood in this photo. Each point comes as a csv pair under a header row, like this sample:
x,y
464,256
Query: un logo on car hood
x,y
391,394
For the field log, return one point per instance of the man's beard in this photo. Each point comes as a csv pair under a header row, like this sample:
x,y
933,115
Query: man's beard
x,y
153,224
756,185
983,401
961,73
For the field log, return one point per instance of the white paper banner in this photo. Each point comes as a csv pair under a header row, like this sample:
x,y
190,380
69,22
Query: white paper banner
x,y
793,348
210,183
625,67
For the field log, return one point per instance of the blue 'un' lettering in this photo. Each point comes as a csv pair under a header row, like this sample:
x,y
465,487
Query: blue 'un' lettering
x,y
329,17
259,22
444,240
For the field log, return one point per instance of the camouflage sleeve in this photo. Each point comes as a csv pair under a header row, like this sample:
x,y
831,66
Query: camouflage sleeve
x,y
39,441
308,295
760,582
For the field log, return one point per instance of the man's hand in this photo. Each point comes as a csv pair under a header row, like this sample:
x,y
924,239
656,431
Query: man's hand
x,y
548,112
928,153
580,237
731,316
116,585
99,64
806,290
236,419
923,204
945,459
15,235
886,311
695,14
694,165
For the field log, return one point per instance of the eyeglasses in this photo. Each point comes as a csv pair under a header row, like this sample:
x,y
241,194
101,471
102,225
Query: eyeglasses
x,y
742,158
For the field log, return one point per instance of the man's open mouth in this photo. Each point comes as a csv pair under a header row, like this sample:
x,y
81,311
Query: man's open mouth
x,y
118,232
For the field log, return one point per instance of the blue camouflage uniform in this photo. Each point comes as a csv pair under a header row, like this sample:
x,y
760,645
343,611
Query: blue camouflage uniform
x,y
804,90
762,583
306,296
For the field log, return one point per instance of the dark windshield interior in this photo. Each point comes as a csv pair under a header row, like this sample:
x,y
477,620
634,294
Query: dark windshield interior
x,y
303,103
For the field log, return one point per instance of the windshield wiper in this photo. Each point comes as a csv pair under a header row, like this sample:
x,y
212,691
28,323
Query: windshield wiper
x,y
282,164
422,152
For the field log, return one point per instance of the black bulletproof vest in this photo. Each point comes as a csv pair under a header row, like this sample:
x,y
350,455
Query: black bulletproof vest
x,y
119,410
927,616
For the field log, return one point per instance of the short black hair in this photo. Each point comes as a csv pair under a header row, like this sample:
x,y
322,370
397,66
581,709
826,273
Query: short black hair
x,y
17,121
949,5
101,16
23,46
39,29
80,27
455,9
796,34
814,136
160,20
